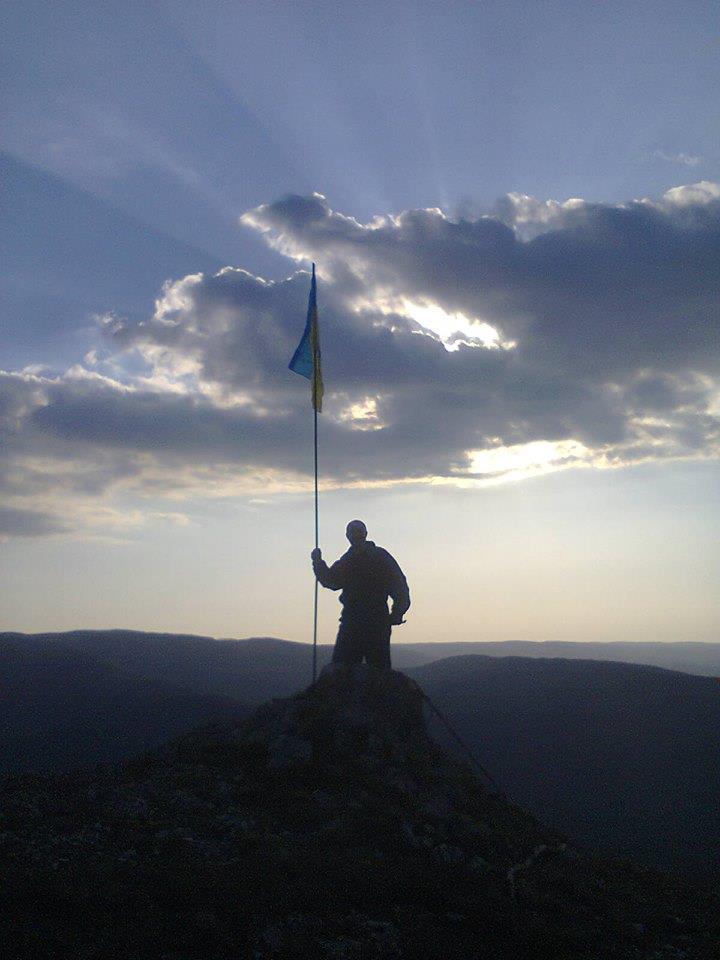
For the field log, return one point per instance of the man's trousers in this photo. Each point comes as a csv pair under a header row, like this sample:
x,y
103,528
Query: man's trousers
x,y
357,640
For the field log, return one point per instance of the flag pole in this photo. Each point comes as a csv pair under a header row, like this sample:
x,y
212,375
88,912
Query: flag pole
x,y
317,544
316,372
306,362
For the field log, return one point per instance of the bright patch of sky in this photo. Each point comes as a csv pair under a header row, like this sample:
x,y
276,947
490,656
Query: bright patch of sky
x,y
525,460
452,329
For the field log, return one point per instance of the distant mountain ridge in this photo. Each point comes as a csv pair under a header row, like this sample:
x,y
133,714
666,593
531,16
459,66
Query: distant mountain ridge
x,y
622,756
247,670
62,707
698,658
256,668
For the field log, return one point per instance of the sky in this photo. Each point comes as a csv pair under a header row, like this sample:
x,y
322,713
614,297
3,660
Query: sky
x,y
515,214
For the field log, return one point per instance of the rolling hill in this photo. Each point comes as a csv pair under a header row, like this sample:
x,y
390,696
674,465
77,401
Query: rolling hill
x,y
61,707
254,669
620,756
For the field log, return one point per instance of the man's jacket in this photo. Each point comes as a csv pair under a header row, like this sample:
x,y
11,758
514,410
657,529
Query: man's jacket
x,y
367,575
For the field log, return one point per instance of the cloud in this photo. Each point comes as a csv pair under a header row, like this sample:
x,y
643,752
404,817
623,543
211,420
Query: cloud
x,y
603,284
705,193
685,159
539,336
15,522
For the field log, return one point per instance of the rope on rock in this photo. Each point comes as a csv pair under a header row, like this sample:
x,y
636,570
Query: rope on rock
x,y
468,750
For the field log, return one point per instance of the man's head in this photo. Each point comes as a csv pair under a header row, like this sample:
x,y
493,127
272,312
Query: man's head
x,y
356,532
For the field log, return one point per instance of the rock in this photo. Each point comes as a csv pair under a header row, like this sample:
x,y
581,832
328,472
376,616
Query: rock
x,y
287,750
449,854
479,866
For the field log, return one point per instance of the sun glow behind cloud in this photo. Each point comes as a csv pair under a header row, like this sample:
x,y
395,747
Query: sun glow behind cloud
x,y
452,329
362,415
522,460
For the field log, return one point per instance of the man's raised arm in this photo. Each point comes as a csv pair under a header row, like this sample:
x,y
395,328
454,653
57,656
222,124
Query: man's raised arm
x,y
330,577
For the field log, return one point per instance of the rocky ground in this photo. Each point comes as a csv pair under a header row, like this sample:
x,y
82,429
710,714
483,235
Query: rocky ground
x,y
328,825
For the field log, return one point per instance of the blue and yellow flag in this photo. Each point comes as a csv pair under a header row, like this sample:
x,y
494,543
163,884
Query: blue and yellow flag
x,y
306,359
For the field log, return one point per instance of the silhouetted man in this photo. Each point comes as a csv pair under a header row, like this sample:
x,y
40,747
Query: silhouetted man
x,y
367,576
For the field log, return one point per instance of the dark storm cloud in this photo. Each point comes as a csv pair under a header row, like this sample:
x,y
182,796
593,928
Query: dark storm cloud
x,y
433,404
601,289
607,338
17,522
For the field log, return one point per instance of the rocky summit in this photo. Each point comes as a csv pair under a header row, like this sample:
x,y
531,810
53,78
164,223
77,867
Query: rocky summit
x,y
328,825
